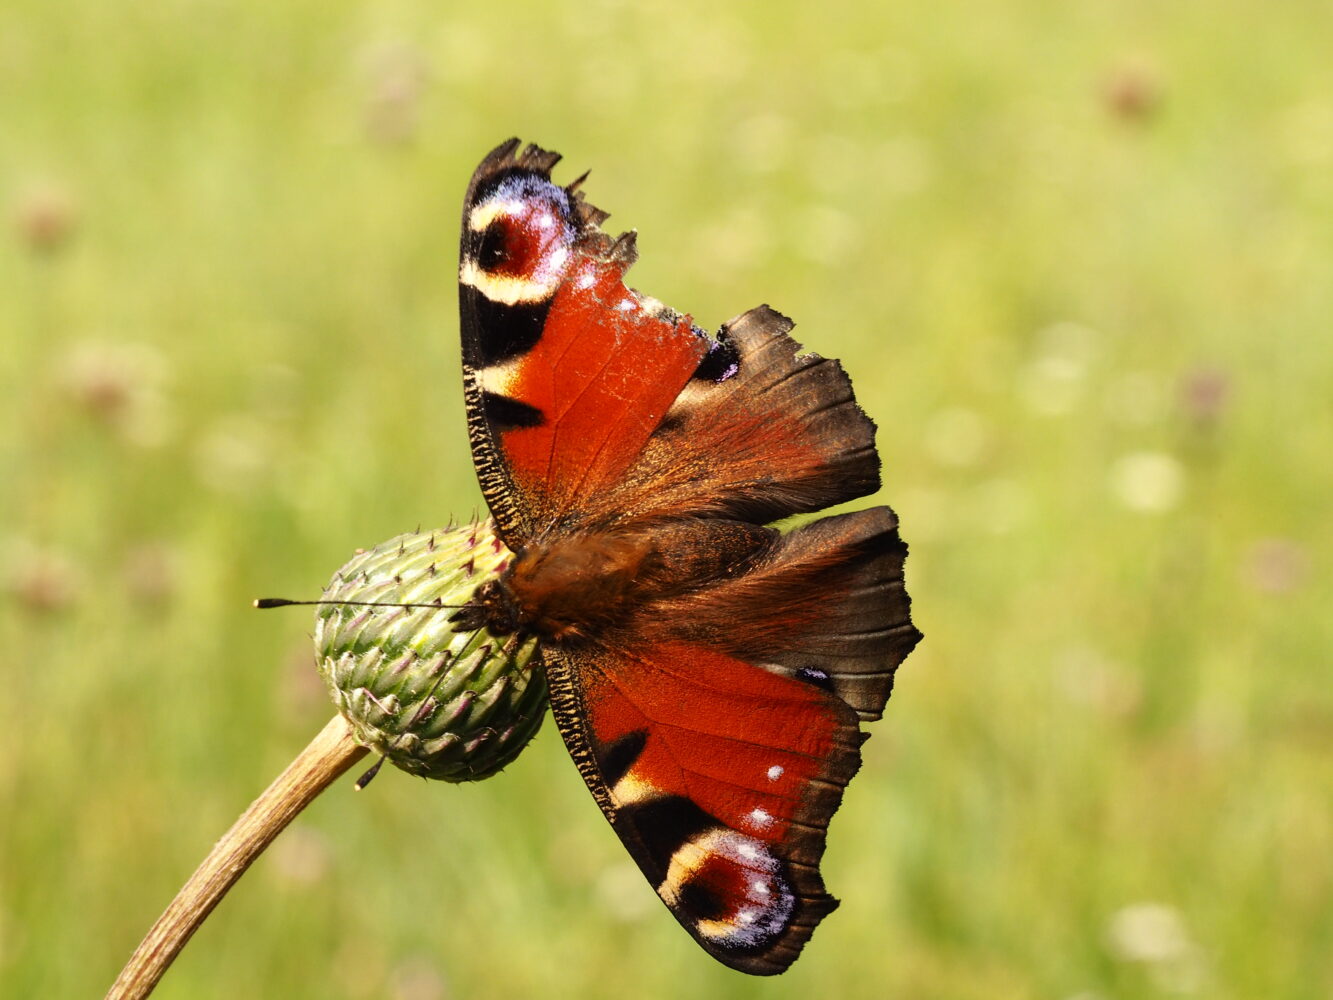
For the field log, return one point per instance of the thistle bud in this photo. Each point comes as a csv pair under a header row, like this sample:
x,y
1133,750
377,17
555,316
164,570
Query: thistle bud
x,y
457,706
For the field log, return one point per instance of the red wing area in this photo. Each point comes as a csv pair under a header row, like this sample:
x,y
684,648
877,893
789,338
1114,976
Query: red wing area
x,y
720,777
604,374
781,435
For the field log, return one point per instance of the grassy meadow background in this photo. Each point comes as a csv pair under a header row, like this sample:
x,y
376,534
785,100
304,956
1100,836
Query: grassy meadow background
x,y
1077,257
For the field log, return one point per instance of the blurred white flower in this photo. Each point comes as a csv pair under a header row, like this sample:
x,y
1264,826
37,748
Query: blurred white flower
x,y
955,436
1148,481
1076,343
1154,935
1051,385
1147,932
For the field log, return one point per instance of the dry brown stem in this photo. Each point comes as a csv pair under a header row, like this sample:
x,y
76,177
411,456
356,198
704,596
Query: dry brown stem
x,y
327,757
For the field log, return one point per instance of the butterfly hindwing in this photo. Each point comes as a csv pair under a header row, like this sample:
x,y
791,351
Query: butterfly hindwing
x,y
718,743
834,608
719,777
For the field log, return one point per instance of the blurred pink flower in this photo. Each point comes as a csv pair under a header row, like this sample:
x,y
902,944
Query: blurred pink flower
x,y
150,573
398,77
1133,91
120,384
45,217
1276,565
41,580
1204,395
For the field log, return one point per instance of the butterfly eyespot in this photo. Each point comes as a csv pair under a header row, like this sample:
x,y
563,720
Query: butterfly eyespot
x,y
732,887
720,363
494,249
519,241
518,245
818,678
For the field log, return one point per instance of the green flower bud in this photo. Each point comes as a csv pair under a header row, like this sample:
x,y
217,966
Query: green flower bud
x,y
457,706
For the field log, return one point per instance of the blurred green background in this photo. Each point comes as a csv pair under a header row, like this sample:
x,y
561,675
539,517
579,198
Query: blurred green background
x,y
1078,258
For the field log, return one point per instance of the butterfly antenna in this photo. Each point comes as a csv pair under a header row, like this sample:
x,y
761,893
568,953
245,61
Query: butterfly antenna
x,y
281,602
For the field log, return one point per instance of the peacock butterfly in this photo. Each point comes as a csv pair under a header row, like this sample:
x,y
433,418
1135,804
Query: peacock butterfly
x,y
708,672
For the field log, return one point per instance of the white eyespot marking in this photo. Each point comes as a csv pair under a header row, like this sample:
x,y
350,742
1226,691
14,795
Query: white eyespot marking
x,y
627,305
586,279
498,379
774,772
519,241
759,818
489,210
813,675
630,790
733,887
505,289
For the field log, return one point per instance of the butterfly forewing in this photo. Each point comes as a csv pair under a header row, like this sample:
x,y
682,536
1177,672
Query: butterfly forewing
x,y
567,372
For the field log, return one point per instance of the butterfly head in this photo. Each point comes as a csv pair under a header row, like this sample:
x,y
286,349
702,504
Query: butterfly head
x,y
490,608
568,589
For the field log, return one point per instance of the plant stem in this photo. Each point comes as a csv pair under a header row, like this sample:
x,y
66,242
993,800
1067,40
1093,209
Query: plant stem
x,y
327,757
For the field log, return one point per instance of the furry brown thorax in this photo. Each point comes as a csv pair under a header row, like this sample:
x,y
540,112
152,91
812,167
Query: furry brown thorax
x,y
576,586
